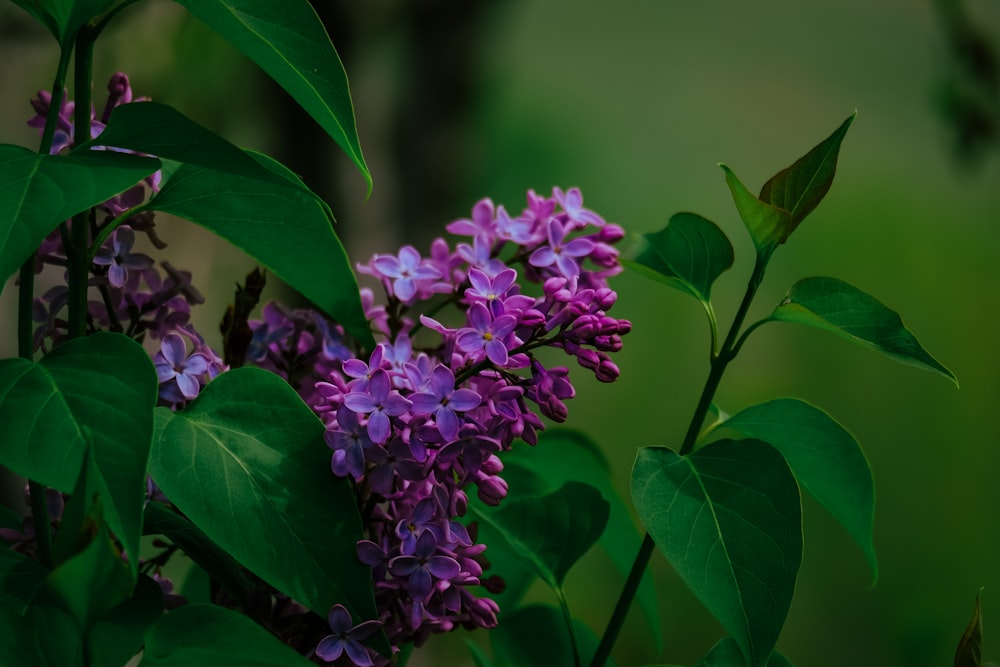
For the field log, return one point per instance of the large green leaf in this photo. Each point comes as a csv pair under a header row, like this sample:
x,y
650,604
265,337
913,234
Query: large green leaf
x,y
21,578
97,391
562,456
246,462
799,188
825,459
288,41
728,519
118,635
204,635
199,548
37,192
726,653
552,531
160,130
42,12
688,254
63,18
768,225
837,306
535,636
45,636
282,227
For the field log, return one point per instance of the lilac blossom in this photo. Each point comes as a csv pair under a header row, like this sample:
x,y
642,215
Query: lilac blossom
x,y
345,638
380,403
405,271
563,255
119,257
444,401
486,334
176,369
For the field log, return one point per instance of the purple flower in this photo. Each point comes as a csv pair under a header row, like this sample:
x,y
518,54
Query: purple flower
x,y
119,258
405,270
486,333
346,638
486,288
572,203
379,402
348,443
424,566
560,254
173,363
481,223
443,400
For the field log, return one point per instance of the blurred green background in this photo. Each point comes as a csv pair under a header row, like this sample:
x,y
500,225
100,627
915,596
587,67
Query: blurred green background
x,y
635,102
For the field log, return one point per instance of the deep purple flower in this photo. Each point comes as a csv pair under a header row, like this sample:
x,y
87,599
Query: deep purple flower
x,y
423,566
348,440
119,258
346,638
443,401
379,402
173,363
486,333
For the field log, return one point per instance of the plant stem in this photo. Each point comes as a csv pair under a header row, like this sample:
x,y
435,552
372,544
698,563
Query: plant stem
x,y
718,366
77,251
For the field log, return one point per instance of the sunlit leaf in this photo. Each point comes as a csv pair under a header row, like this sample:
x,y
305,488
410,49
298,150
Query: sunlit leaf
x,y
837,306
825,459
279,225
288,41
37,192
688,254
205,635
728,519
247,464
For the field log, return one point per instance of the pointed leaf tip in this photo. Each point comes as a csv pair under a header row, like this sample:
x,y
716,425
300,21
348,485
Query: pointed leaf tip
x,y
970,647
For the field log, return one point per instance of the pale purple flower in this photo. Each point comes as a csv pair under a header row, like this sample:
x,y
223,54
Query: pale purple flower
x,y
563,255
485,333
481,223
404,271
444,401
572,203
119,258
173,363
517,230
487,288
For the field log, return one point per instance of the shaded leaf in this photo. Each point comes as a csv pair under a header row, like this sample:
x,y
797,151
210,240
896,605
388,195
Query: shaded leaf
x,y
204,635
97,391
21,577
837,306
478,655
288,41
118,635
768,225
279,225
969,652
825,459
728,519
536,636
219,565
45,636
247,464
37,192
726,653
799,188
688,254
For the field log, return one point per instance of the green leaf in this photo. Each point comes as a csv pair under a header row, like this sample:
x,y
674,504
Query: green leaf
x,y
204,635
21,577
219,565
688,254
118,636
970,648
37,192
825,459
768,225
561,456
478,655
97,391
288,41
728,519
279,225
45,636
552,531
40,13
726,653
160,130
837,306
799,188
247,463
536,636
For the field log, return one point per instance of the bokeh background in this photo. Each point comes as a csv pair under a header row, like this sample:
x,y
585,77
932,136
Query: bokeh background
x,y
635,102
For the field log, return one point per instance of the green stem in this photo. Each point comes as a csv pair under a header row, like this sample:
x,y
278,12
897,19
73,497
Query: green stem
x,y
78,252
718,366
569,626
108,229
